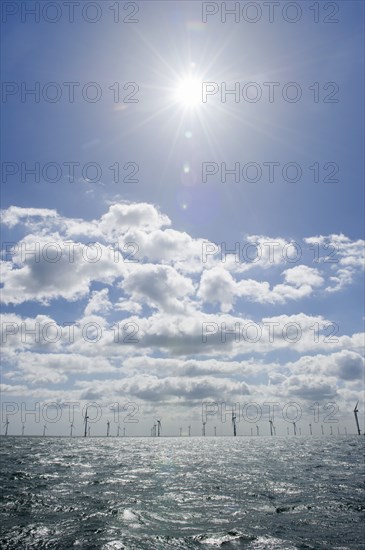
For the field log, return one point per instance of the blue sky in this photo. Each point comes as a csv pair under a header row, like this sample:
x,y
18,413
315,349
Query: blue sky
x,y
170,214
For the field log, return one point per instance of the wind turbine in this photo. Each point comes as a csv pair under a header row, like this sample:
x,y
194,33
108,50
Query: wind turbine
x,y
44,429
71,428
310,429
6,425
203,429
107,428
88,431
189,428
124,432
257,430
158,427
118,430
356,410
86,418
215,430
322,430
234,424
271,427
295,428
23,428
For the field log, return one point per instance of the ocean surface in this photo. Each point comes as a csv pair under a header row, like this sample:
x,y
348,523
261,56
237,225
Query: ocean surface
x,y
160,493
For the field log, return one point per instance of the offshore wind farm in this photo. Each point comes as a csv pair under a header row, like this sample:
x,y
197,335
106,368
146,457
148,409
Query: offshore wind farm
x,y
111,489
113,428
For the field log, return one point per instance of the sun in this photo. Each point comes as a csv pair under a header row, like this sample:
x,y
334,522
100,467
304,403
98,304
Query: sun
x,y
188,92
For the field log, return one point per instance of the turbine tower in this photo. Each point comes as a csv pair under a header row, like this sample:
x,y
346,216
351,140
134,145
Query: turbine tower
x,y
118,430
310,429
158,427
356,410
88,431
107,428
124,432
44,429
271,427
322,430
23,428
215,430
203,429
86,418
234,424
180,432
257,430
331,430
189,428
6,425
71,428
295,428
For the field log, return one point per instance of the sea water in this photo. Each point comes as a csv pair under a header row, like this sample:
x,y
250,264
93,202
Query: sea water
x,y
186,492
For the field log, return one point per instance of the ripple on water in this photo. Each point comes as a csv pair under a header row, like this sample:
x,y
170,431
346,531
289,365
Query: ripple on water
x,y
182,494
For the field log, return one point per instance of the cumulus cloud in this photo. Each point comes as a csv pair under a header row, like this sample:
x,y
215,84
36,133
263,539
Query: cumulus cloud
x,y
45,271
99,302
123,216
40,368
309,389
344,365
152,388
159,286
303,275
344,256
16,214
170,322
218,286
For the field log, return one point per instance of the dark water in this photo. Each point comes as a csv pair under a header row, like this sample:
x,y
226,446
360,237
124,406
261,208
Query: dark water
x,y
253,493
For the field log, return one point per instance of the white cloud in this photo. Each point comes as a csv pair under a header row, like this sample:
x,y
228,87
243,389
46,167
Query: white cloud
x,y
344,256
152,388
55,368
217,286
303,275
99,302
159,286
344,365
120,217
342,279
45,270
160,303
16,214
